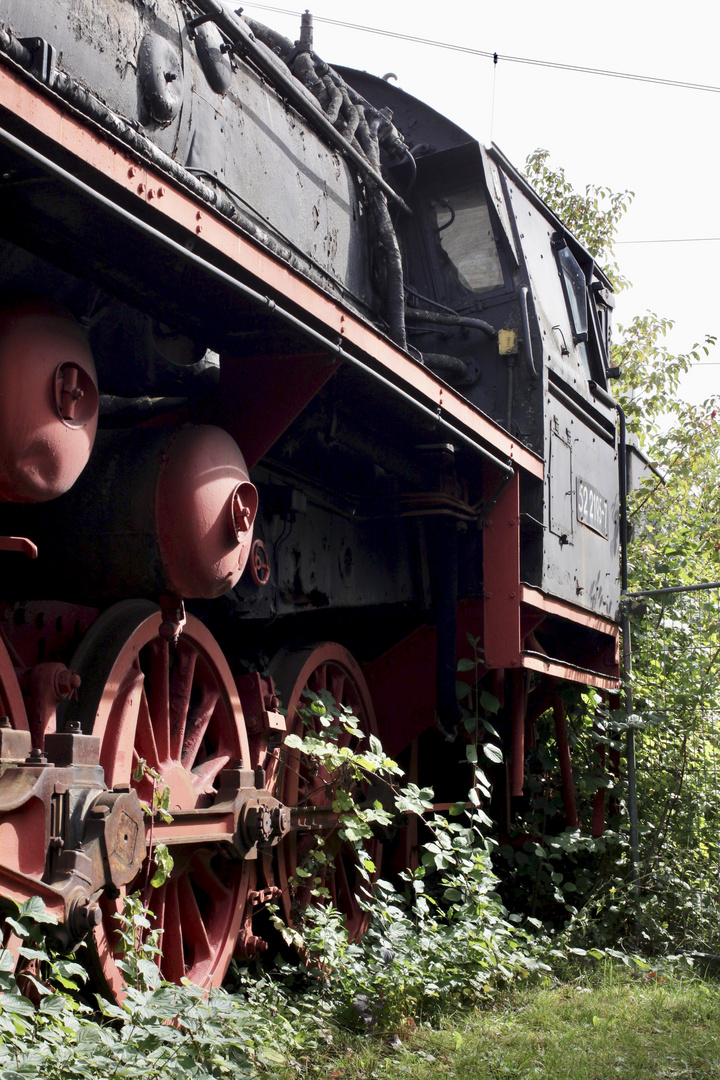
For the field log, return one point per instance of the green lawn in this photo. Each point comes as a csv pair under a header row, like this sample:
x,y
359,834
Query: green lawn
x,y
640,1028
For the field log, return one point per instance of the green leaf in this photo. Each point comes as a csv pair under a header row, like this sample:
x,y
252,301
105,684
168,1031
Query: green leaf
x,y
493,753
16,1003
55,1004
465,665
32,954
7,960
489,702
20,929
34,909
271,1056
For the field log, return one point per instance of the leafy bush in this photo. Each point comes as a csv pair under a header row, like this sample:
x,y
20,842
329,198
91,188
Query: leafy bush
x,y
440,939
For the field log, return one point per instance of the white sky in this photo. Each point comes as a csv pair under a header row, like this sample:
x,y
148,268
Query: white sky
x,y
661,142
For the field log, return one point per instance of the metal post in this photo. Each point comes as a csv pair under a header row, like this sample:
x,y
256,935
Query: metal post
x,y
631,769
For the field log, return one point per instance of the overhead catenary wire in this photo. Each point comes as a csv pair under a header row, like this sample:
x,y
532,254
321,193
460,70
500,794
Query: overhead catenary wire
x,y
497,57
674,240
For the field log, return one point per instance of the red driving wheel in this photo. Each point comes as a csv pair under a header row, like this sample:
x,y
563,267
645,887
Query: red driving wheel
x,y
331,667
22,835
176,707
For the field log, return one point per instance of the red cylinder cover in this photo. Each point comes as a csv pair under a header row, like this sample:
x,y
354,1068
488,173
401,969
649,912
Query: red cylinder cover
x,y
48,402
205,506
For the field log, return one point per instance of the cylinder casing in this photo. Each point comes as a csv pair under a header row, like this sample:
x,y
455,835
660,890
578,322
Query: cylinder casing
x,y
156,512
48,402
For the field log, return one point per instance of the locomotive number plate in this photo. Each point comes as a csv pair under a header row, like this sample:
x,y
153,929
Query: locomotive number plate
x,y
591,507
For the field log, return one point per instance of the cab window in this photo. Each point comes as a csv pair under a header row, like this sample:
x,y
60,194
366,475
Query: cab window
x,y
465,234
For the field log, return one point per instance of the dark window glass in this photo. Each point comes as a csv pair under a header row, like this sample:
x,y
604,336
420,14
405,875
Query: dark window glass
x,y
466,237
575,292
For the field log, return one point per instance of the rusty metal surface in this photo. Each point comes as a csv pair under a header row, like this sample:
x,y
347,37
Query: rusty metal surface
x,y
138,180
568,672
217,133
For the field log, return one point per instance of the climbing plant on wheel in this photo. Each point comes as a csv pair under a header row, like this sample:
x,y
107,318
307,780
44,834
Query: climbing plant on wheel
x,y
339,779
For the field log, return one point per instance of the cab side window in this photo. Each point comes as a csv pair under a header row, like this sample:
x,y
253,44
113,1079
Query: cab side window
x,y
464,230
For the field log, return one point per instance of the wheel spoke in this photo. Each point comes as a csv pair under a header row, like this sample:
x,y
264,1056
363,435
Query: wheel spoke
x,y
173,957
193,925
159,695
158,908
319,679
197,725
337,687
207,878
181,684
117,750
145,744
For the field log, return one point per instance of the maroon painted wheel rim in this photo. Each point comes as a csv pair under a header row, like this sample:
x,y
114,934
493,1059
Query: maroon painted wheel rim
x,y
326,666
178,709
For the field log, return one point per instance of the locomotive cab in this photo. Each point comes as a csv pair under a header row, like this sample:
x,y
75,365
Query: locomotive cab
x,y
509,308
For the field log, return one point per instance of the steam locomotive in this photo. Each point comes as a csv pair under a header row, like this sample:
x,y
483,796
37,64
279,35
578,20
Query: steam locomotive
x,y
300,386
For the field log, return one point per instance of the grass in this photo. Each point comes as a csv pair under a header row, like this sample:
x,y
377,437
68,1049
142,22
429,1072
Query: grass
x,y
610,1025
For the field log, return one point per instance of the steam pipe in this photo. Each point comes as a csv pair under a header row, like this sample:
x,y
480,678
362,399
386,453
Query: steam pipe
x,y
243,39
418,315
